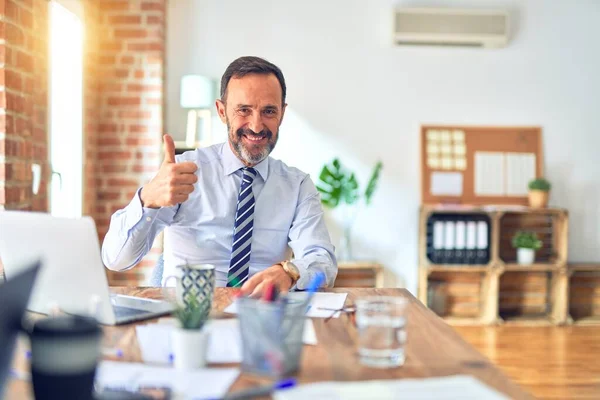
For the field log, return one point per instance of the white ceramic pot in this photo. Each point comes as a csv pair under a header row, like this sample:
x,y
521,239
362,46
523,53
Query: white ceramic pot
x,y
189,347
525,256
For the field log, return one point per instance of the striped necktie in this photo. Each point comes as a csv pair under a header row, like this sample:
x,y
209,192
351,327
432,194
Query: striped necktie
x,y
242,232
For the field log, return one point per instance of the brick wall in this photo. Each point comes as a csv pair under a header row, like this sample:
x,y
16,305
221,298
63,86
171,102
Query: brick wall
x,y
23,102
130,71
91,104
123,107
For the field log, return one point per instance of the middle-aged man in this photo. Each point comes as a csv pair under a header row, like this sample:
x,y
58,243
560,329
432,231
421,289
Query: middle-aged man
x,y
230,204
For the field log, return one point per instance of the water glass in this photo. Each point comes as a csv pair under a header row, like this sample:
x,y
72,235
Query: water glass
x,y
381,324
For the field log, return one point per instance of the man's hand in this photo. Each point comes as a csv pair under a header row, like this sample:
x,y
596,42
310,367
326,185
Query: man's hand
x,y
173,183
275,274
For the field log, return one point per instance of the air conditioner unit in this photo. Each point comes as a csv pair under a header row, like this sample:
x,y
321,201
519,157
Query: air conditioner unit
x,y
451,27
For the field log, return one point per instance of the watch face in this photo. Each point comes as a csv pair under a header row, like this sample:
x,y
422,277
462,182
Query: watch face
x,y
293,269
292,266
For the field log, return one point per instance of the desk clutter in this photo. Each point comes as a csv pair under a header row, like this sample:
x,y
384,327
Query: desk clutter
x,y
266,341
224,341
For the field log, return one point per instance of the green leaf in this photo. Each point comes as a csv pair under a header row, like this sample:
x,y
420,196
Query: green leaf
x,y
194,315
336,185
526,240
350,191
372,185
540,184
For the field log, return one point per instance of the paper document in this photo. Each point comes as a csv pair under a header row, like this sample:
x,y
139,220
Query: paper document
x,y
489,174
520,169
446,183
224,341
462,387
205,383
320,304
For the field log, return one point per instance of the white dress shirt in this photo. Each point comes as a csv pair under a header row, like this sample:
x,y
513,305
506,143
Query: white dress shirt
x,y
288,216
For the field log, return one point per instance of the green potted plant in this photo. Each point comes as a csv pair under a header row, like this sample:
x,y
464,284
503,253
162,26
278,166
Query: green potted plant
x,y
539,190
188,338
339,188
526,244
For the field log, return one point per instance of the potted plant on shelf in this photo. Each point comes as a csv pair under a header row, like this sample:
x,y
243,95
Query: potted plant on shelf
x,y
339,188
188,338
526,244
539,190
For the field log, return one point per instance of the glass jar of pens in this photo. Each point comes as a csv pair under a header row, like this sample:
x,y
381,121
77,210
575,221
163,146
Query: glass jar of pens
x,y
272,329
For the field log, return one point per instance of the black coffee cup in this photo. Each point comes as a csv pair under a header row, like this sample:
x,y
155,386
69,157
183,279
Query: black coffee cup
x,y
64,355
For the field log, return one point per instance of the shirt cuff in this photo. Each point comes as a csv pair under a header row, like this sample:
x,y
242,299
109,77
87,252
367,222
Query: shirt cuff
x,y
137,214
305,274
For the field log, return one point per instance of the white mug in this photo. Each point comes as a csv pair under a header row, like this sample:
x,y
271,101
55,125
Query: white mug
x,y
194,281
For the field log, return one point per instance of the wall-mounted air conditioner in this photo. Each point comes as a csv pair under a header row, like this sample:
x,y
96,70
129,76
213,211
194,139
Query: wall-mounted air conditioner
x,y
451,27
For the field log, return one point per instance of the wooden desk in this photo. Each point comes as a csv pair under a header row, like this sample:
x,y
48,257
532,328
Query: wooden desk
x,y
433,348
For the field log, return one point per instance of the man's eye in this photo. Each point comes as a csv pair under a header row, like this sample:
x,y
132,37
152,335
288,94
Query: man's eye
x,y
244,111
270,112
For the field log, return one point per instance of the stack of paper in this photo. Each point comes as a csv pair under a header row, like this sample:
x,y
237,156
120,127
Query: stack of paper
x,y
224,343
462,387
206,383
320,306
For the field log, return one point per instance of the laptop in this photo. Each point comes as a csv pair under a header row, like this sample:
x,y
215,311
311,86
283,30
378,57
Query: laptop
x,y
72,277
14,295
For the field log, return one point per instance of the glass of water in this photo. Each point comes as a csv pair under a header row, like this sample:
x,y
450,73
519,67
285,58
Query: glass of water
x,y
381,324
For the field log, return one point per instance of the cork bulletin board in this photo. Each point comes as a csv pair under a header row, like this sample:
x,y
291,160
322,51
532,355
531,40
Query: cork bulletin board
x,y
479,165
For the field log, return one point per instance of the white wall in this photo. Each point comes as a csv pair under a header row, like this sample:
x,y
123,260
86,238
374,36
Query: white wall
x,y
352,94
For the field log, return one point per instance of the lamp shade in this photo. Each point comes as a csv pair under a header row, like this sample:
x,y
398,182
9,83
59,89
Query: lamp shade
x,y
197,91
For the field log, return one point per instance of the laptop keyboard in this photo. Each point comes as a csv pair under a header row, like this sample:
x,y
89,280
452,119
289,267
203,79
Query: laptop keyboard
x,y
126,312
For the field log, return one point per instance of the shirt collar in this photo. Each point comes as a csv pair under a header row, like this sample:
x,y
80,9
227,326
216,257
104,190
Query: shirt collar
x,y
232,163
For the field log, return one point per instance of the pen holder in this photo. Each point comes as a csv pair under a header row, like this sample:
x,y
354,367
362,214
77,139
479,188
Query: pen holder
x,y
271,336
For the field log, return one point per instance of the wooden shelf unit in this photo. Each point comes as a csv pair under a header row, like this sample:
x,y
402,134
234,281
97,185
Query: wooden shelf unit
x,y
584,293
359,273
501,291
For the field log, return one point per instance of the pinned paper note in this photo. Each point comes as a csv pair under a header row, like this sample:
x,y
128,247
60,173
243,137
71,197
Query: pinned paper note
x,y
489,174
446,183
520,169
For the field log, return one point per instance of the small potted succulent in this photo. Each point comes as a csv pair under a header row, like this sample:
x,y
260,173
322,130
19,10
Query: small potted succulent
x,y
189,338
539,190
526,244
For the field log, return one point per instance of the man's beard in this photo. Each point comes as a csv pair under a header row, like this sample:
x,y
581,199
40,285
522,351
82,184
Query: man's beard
x,y
252,154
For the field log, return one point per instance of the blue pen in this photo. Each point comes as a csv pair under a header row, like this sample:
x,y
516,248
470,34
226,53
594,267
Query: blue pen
x,y
313,285
316,282
261,390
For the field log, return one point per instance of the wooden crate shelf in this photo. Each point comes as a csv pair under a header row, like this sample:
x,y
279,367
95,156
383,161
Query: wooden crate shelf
x,y
367,274
506,292
459,294
536,267
584,293
550,227
524,296
456,268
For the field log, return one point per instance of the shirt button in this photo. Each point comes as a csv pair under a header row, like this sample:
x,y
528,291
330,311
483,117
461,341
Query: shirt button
x,y
148,219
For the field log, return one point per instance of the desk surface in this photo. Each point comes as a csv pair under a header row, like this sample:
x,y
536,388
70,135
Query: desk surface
x,y
433,348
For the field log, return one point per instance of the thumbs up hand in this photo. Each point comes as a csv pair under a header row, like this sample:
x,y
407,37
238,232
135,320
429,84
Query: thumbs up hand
x,y
174,182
